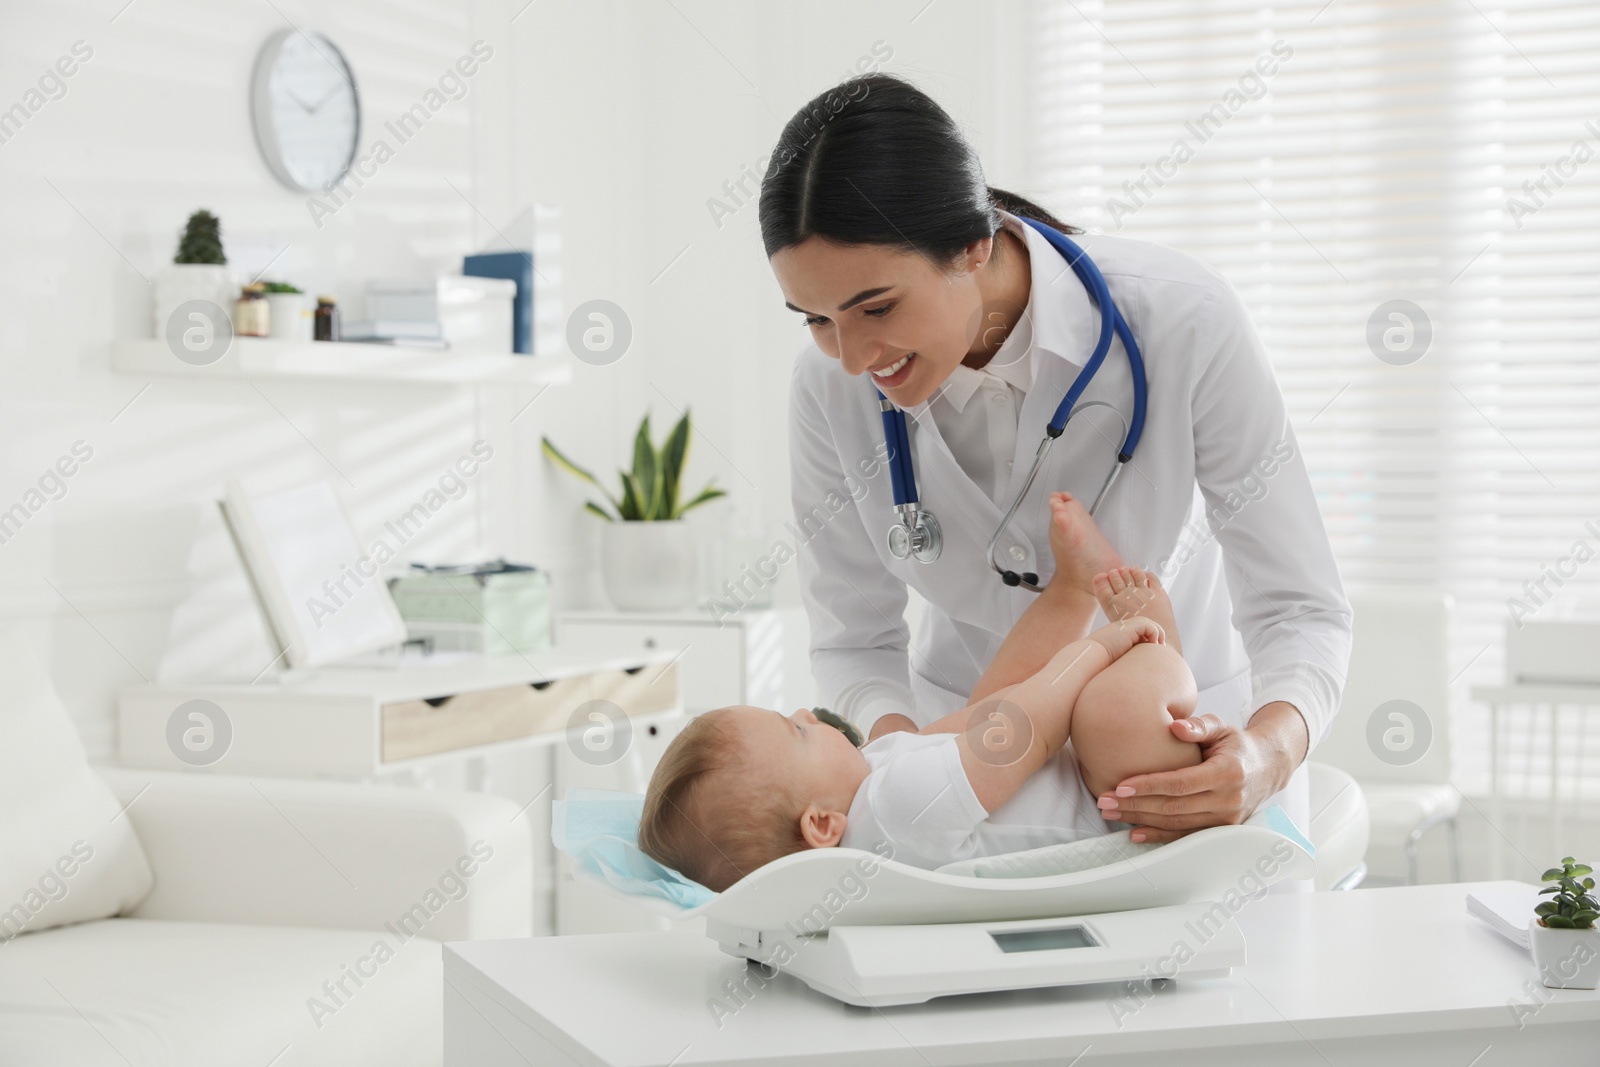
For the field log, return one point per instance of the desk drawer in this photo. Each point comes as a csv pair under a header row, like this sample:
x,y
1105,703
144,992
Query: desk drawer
x,y
415,728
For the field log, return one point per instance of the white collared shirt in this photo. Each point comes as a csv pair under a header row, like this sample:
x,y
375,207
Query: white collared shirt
x,y
1216,500
977,410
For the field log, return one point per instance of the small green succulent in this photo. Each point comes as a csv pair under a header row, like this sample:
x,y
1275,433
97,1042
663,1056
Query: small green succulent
x,y
1572,907
848,729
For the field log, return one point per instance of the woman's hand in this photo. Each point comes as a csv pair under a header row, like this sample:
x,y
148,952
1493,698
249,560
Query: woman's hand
x,y
1123,634
890,723
1240,769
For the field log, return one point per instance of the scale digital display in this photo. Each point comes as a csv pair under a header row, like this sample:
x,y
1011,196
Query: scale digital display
x,y
1041,940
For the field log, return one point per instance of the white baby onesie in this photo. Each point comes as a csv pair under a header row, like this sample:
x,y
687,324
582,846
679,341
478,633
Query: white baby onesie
x,y
917,799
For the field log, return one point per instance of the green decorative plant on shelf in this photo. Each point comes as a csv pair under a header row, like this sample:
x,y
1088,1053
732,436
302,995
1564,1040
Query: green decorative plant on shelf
x,y
278,287
202,240
650,490
1572,907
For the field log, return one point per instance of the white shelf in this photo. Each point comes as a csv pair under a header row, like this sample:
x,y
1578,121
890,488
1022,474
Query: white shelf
x,y
333,361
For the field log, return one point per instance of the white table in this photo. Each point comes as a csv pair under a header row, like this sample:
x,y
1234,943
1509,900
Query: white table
x,y
1373,977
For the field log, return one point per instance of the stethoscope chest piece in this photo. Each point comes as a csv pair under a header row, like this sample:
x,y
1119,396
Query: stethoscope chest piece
x,y
916,536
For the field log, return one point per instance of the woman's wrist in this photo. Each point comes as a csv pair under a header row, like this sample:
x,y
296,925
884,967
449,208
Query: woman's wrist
x,y
1282,729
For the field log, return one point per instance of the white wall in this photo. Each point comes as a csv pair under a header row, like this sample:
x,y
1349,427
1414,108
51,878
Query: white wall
x,y
626,116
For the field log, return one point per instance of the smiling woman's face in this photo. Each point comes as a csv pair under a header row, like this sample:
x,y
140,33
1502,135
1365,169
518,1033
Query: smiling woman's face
x,y
874,308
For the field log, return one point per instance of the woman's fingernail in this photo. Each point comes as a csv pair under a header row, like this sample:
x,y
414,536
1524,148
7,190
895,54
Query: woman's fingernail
x,y
1137,839
1107,802
1124,790
1112,816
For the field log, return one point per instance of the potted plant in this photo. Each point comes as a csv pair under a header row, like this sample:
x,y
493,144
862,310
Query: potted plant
x,y
198,271
648,559
1565,943
289,312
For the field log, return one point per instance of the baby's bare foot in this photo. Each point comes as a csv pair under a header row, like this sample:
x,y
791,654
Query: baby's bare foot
x,y
1080,549
1127,591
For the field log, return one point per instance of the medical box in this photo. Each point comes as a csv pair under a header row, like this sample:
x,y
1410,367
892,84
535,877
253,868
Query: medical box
x,y
474,314
493,608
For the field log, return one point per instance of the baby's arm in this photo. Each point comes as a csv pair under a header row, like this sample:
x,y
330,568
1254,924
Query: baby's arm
x,y
1005,738
1065,610
1056,617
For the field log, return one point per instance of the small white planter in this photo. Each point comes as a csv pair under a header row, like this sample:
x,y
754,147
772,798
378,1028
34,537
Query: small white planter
x,y
290,316
179,283
1565,959
649,566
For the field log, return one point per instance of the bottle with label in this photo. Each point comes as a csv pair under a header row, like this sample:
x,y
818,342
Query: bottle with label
x,y
326,327
250,314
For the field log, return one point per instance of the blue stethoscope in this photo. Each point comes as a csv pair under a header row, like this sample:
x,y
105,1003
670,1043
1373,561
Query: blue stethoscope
x,y
917,534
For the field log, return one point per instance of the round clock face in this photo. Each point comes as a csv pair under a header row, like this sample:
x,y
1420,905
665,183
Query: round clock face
x,y
307,112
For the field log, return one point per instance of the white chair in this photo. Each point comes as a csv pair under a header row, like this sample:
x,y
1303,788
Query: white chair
x,y
1339,827
1392,732
259,937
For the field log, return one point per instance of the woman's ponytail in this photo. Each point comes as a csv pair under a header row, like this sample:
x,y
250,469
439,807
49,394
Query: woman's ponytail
x,y
1013,204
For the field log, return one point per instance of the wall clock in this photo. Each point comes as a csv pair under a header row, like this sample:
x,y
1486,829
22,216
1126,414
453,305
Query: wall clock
x,y
306,110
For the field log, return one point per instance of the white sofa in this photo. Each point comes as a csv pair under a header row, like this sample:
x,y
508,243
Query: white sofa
x,y
289,923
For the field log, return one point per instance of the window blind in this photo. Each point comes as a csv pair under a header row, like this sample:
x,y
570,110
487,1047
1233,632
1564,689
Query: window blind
x,y
1406,195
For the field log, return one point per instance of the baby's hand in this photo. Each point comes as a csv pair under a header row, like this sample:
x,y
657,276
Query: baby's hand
x,y
1123,634
891,723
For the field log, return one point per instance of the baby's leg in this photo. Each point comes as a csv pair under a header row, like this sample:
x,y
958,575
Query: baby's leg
x,y
1125,591
1120,721
1065,610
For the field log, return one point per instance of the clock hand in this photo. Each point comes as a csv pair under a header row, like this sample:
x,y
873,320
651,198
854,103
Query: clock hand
x,y
312,109
325,98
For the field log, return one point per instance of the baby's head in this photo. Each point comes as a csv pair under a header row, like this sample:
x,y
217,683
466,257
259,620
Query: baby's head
x,y
740,787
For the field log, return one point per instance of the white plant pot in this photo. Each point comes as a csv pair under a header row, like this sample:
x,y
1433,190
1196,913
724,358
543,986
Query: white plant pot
x,y
649,566
1566,959
290,316
179,283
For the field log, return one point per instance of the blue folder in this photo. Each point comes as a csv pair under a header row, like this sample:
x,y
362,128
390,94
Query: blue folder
x,y
518,267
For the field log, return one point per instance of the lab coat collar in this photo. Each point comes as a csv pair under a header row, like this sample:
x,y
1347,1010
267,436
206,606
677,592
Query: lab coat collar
x,y
1056,322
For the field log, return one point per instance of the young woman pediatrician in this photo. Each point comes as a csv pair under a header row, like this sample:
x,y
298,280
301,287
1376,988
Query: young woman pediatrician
x,y
925,291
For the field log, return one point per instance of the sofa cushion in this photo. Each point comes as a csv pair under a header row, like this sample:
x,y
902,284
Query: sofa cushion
x,y
180,994
67,853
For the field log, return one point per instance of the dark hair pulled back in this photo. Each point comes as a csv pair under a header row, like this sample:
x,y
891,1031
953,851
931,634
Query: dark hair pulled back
x,y
874,160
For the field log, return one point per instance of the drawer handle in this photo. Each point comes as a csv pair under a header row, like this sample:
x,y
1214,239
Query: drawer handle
x,y
438,702
633,670
541,686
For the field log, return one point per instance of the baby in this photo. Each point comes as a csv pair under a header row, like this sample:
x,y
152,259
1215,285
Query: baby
x,y
742,786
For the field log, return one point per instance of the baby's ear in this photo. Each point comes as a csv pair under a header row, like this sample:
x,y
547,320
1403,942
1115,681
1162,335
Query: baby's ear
x,y
821,829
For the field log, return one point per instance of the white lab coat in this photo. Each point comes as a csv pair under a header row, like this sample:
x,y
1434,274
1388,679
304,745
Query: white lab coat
x,y
1217,442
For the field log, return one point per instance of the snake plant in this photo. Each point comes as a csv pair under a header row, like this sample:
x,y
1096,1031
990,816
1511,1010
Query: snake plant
x,y
650,490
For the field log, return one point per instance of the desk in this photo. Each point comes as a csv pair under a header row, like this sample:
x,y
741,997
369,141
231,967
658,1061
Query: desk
x,y
368,722
1374,977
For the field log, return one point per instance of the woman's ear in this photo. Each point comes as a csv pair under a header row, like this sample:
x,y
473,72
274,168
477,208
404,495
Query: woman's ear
x,y
976,254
